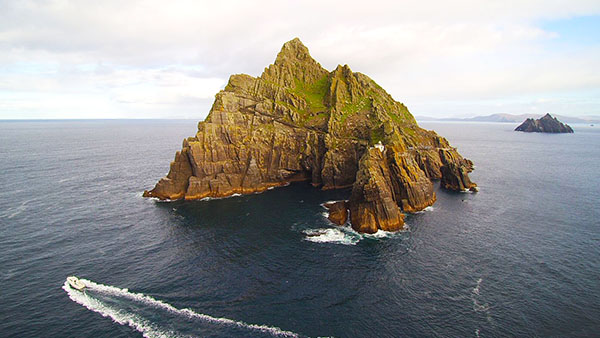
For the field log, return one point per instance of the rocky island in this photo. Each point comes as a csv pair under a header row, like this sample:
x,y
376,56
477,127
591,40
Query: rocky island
x,y
299,122
545,124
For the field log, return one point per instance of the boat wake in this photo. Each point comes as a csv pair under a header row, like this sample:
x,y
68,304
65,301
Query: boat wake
x,y
478,304
155,318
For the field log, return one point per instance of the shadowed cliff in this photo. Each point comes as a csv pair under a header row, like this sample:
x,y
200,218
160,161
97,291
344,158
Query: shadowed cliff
x,y
545,124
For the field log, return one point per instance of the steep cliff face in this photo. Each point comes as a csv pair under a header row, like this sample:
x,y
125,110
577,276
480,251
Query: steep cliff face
x,y
297,121
545,124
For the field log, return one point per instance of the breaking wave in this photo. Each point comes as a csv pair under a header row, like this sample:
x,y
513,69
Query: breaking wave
x,y
155,318
346,235
330,235
429,208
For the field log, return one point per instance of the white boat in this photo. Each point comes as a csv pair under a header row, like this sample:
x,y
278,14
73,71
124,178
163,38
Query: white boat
x,y
75,283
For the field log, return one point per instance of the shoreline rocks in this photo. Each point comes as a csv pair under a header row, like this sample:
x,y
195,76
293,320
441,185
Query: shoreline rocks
x,y
338,212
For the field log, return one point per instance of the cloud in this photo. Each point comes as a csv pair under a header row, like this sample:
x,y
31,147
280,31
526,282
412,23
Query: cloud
x,y
165,59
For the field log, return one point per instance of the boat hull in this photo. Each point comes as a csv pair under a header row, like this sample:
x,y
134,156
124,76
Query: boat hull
x,y
75,283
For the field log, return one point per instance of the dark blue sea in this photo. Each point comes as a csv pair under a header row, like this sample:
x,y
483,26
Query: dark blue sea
x,y
519,258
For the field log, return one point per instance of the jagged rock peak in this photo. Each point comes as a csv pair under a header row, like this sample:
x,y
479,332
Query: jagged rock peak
x,y
293,51
293,64
545,124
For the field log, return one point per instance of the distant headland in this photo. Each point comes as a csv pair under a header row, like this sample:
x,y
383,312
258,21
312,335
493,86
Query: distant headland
x,y
300,122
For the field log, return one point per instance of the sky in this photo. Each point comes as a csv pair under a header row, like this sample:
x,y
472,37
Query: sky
x,y
167,59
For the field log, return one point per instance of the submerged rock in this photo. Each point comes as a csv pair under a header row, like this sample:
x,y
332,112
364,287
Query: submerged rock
x,y
299,122
545,124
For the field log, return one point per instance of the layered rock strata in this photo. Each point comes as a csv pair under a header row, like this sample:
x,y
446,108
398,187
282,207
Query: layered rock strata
x,y
299,122
545,124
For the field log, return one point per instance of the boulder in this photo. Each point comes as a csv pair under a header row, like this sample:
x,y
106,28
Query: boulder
x,y
338,212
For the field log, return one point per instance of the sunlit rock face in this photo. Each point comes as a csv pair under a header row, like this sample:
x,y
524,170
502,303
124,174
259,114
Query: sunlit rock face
x,y
300,122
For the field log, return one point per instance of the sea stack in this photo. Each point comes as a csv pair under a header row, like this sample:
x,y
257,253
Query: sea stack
x,y
336,129
545,124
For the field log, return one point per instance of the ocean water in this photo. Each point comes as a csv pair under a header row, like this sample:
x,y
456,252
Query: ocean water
x,y
519,258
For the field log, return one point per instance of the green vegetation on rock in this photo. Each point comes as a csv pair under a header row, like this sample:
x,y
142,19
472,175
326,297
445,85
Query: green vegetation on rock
x,y
313,94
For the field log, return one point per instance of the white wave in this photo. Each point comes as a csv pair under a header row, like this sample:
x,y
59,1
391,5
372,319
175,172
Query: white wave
x,y
147,328
429,208
346,235
158,200
220,198
379,234
330,235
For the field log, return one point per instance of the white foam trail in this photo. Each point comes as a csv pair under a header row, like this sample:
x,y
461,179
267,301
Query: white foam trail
x,y
121,317
476,288
147,328
477,306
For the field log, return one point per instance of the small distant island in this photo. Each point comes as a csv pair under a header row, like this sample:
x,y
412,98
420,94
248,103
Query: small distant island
x,y
512,118
335,129
545,124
